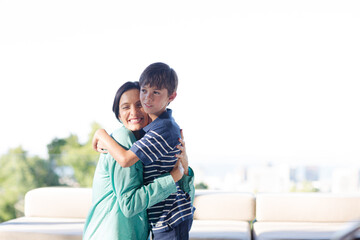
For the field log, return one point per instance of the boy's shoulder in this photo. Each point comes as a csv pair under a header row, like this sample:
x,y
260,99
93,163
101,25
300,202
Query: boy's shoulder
x,y
167,130
166,119
165,125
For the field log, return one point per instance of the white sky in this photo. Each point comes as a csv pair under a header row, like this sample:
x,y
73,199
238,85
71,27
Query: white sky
x,y
256,78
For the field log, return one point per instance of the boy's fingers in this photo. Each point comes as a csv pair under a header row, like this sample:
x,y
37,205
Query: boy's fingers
x,y
177,163
181,134
181,168
93,143
181,148
182,142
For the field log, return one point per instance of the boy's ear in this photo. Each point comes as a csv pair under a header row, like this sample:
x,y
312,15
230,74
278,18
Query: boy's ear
x,y
172,96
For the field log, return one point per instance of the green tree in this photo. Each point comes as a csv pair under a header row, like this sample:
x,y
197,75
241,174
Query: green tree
x,y
54,150
80,157
306,186
19,174
201,185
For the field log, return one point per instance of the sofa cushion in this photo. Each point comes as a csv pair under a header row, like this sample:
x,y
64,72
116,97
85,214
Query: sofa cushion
x,y
64,202
224,206
216,230
307,207
295,230
39,228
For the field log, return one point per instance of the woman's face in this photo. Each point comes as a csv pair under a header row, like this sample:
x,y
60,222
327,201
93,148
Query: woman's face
x,y
131,113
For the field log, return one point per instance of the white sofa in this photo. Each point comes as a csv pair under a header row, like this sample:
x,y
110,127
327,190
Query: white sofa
x,y
303,215
223,215
52,213
58,213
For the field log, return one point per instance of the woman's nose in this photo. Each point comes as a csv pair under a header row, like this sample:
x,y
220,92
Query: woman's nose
x,y
133,110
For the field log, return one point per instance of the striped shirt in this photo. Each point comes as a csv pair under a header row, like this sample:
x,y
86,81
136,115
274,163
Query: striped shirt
x,y
157,151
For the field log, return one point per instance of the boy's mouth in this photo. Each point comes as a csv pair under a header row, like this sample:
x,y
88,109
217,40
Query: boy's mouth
x,y
147,105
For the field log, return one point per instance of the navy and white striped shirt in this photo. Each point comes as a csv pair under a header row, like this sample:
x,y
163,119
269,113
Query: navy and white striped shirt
x,y
157,151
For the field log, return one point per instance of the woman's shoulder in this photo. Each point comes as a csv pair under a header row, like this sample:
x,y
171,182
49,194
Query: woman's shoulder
x,y
121,131
123,136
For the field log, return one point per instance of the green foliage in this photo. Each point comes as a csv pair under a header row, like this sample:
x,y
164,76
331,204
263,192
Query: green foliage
x,y
7,208
55,146
201,185
81,157
19,174
305,186
54,149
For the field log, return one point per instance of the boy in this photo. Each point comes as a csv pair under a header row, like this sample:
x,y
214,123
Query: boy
x,y
171,218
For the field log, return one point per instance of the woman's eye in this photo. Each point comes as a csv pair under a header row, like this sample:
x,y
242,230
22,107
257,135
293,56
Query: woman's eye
x,y
125,108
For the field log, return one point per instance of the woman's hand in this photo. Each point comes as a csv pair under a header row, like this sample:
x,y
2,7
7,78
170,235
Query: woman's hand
x,y
178,171
182,157
97,144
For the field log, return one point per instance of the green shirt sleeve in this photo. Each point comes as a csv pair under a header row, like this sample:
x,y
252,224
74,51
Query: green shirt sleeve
x,y
132,195
187,184
135,200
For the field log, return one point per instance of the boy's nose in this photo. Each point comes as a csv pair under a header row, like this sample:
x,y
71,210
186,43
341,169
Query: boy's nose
x,y
148,96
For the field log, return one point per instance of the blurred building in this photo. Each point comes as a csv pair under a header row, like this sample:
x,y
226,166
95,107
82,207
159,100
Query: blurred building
x,y
278,176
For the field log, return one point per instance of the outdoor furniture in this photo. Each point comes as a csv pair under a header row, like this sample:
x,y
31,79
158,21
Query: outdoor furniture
x,y
51,213
223,215
59,213
303,215
350,231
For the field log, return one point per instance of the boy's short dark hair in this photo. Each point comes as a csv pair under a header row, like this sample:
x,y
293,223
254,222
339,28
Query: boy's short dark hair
x,y
161,76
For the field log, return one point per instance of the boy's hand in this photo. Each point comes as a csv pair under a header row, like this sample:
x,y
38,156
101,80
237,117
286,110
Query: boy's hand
x,y
96,141
101,147
182,157
177,172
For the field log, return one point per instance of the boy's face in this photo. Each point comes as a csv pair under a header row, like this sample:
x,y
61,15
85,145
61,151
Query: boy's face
x,y
154,100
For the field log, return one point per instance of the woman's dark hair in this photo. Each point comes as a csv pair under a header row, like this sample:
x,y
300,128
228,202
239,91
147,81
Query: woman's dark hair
x,y
124,88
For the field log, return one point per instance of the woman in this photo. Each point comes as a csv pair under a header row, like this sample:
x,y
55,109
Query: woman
x,y
120,199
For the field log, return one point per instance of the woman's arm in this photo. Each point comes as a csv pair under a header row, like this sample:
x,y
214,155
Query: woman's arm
x,y
134,198
125,158
131,194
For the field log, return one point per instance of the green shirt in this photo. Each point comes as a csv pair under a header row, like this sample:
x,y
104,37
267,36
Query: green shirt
x,y
119,198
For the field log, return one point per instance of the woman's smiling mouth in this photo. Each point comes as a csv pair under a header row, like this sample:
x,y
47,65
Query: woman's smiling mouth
x,y
135,120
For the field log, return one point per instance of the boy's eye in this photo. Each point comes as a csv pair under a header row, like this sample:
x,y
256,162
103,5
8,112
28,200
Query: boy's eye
x,y
139,105
156,92
143,90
